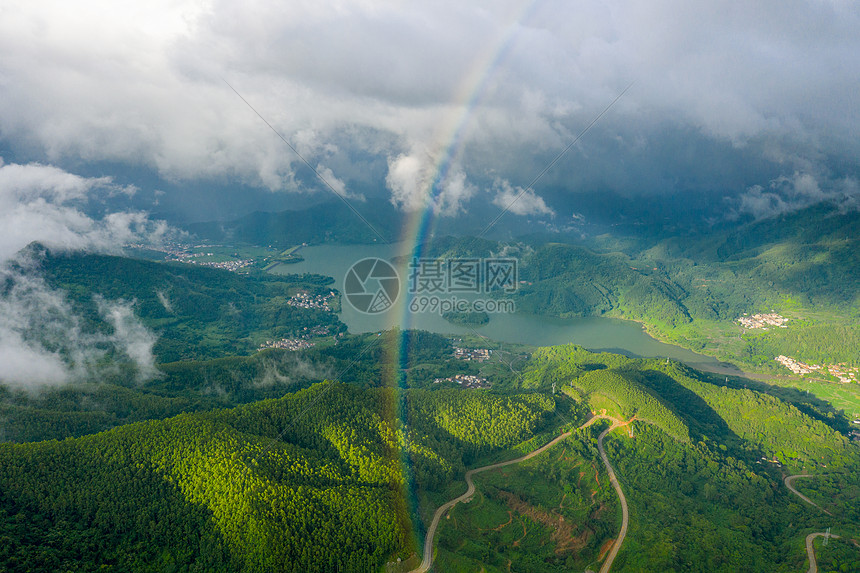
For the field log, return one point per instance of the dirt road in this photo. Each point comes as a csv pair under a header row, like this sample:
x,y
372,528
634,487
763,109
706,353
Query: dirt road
x,y
470,490
625,516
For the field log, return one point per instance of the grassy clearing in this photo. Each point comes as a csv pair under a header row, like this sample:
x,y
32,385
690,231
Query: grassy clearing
x,y
551,513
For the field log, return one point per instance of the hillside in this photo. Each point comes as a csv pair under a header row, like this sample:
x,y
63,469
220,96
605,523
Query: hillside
x,y
335,457
242,488
690,290
309,482
196,312
690,498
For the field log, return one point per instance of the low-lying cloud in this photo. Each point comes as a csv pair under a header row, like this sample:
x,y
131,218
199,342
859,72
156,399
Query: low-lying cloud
x,y
43,342
130,337
519,201
799,190
44,203
418,180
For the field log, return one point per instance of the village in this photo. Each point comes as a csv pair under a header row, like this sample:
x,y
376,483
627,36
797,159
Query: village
x,y
298,343
762,321
842,371
226,265
466,381
293,344
181,253
306,300
472,354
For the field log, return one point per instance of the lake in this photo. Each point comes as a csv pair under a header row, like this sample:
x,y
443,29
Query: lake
x,y
595,333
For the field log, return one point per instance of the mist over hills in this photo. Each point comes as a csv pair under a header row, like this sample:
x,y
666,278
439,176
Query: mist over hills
x,y
171,402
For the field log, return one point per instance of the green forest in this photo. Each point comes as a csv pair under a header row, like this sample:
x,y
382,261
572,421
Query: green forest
x,y
334,476
309,482
691,291
197,312
334,458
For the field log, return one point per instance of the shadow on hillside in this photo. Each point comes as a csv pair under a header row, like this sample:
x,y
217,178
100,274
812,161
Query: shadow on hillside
x,y
700,418
809,404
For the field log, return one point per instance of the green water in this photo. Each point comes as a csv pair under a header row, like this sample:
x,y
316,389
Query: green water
x,y
609,334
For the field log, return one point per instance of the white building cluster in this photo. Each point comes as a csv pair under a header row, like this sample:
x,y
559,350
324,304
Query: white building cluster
x,y
226,265
841,371
763,320
473,354
307,300
466,381
287,344
796,366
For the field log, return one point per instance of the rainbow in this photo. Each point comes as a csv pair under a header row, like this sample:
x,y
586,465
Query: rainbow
x,y
449,143
450,139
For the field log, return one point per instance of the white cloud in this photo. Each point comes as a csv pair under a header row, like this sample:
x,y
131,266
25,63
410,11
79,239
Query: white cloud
x,y
338,185
519,201
788,193
141,83
42,341
42,203
418,180
130,336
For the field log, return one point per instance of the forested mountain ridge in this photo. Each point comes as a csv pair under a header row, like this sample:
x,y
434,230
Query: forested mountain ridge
x,y
319,479
309,482
690,290
196,312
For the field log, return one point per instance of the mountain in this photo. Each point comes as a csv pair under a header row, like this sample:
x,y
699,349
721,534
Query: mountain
x,y
324,479
247,489
337,457
196,312
326,222
691,289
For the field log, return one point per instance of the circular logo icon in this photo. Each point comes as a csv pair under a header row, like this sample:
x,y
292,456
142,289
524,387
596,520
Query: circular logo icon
x,y
371,285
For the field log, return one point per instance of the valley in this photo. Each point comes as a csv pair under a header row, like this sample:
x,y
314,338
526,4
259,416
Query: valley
x,y
429,287
277,410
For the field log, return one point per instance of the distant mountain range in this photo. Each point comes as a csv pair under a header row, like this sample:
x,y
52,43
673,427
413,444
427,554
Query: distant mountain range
x,y
323,223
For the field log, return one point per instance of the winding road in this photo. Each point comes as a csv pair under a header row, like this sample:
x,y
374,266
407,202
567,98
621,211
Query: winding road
x,y
625,516
810,550
790,479
427,562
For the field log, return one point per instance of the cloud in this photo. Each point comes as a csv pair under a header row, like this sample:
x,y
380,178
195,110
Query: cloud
x,y
164,300
338,185
130,336
790,193
502,86
286,370
519,201
43,342
44,203
36,329
417,181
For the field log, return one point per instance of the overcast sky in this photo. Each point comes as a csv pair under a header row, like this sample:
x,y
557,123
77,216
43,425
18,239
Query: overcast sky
x,y
755,100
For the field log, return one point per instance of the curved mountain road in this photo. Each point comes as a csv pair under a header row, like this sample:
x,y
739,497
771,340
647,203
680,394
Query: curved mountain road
x,y
427,562
789,479
625,515
810,550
